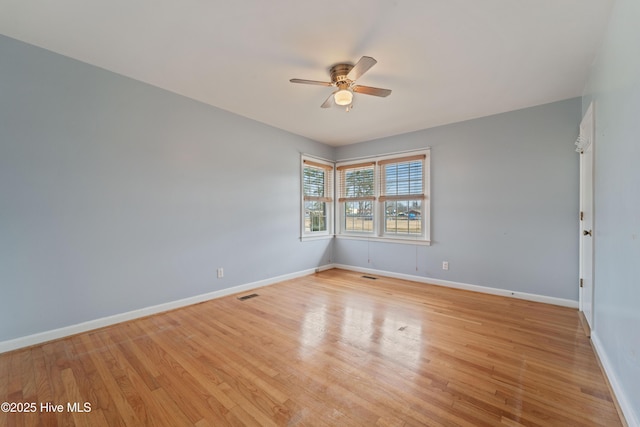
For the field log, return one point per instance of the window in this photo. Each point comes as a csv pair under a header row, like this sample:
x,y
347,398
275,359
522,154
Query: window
x,y
385,198
357,196
402,194
317,197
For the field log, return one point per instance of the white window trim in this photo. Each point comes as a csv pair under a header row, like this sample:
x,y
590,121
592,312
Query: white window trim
x,y
378,222
389,239
330,205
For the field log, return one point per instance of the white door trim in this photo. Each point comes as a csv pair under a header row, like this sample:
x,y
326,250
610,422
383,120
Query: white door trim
x,y
585,146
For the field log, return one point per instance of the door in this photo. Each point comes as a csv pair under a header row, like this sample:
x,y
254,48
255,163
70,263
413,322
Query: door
x,y
586,148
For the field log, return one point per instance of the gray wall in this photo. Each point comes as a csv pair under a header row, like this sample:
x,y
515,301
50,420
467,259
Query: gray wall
x,y
504,203
115,195
614,86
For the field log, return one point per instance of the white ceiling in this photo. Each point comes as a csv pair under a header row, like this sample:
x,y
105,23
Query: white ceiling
x,y
445,60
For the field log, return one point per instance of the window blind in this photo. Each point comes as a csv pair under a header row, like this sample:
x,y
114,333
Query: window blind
x,y
402,178
317,181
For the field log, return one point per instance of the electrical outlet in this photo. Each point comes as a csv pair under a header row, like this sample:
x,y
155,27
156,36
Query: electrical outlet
x,y
445,265
220,273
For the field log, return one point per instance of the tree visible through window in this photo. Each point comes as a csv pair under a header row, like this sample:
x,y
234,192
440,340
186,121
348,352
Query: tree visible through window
x,y
357,196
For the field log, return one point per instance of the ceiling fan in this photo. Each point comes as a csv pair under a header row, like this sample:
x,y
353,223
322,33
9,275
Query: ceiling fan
x,y
343,77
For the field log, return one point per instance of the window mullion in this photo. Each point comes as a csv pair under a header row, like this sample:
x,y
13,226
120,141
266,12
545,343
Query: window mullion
x,y
379,205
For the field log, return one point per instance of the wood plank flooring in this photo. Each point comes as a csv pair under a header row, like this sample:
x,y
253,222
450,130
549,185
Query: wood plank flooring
x,y
331,349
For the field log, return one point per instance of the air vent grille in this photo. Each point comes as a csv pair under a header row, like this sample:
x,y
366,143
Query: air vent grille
x,y
246,297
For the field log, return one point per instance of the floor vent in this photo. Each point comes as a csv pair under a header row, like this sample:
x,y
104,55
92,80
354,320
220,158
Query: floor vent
x,y
370,277
248,296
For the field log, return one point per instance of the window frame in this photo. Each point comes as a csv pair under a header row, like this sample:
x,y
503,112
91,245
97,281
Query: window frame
x,y
380,197
307,161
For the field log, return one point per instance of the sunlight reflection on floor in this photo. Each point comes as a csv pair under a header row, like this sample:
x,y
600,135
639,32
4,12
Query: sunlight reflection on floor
x,y
396,336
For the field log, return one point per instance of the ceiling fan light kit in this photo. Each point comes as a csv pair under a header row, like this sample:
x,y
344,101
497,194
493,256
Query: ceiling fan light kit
x,y
343,77
343,97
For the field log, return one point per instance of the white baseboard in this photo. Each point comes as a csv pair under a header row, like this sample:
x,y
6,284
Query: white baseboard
x,y
632,418
66,331
465,286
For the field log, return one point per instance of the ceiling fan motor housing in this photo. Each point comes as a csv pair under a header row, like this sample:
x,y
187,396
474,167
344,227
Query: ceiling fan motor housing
x,y
339,73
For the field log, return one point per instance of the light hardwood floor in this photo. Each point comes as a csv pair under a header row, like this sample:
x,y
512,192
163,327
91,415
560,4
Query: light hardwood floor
x,y
331,349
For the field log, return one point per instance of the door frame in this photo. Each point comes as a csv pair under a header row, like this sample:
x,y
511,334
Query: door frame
x,y
586,148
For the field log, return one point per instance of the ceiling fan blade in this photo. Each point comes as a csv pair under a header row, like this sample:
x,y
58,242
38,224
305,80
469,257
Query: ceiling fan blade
x,y
368,90
361,67
328,103
311,82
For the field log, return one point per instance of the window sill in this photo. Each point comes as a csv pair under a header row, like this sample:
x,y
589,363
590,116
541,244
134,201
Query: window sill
x,y
321,237
419,242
